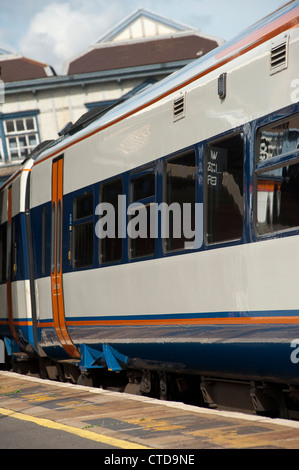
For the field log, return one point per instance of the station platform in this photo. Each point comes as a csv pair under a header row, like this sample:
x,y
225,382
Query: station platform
x,y
123,421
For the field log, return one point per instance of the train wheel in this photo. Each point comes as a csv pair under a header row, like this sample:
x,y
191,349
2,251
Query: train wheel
x,y
86,380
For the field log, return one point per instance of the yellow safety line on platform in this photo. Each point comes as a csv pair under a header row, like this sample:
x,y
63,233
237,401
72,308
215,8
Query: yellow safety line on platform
x,y
70,429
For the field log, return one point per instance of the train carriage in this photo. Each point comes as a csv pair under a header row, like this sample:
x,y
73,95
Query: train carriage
x,y
17,321
162,235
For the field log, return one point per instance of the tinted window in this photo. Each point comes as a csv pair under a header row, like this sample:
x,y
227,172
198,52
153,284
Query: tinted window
x,y
278,199
83,206
277,181
83,245
224,190
278,139
143,187
83,232
44,240
179,194
3,244
111,245
141,240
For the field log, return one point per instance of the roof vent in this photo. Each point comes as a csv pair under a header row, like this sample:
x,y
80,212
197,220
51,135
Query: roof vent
x,y
279,55
179,110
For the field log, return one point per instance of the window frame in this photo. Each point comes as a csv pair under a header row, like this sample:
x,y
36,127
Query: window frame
x,y
24,120
6,154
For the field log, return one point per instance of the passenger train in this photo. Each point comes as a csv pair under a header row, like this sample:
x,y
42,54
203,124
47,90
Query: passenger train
x,y
212,311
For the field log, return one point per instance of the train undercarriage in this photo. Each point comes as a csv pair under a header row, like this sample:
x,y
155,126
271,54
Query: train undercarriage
x,y
270,399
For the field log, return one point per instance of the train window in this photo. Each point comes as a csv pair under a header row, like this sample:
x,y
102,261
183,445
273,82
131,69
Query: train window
x,y
278,139
53,232
3,244
143,187
83,245
83,232
83,206
110,241
13,250
179,195
224,190
278,199
277,176
142,196
59,236
44,240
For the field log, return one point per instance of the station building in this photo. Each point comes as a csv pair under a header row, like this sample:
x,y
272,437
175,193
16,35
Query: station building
x,y
38,103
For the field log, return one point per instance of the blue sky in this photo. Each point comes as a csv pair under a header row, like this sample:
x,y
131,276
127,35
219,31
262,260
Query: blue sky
x,y
53,31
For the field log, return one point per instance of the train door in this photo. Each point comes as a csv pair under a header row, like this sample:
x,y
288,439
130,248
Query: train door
x,y
11,268
56,259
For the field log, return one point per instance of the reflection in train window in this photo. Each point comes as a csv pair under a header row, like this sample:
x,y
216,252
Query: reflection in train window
x,y
277,176
224,190
179,194
278,199
278,139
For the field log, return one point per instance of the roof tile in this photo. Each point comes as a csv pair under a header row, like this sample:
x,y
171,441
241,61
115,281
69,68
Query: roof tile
x,y
141,53
21,68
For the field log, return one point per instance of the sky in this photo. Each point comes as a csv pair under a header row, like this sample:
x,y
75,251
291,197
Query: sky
x,y
54,31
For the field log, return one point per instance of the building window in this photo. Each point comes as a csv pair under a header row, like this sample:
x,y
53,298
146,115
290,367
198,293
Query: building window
x,y
224,190
83,231
277,177
21,136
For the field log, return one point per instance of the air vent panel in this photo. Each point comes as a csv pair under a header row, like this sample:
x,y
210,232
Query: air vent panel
x,y
179,110
279,56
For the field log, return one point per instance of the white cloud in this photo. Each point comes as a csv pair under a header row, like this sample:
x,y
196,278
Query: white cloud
x,y
60,29
59,32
